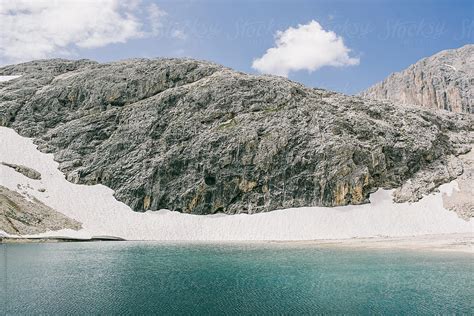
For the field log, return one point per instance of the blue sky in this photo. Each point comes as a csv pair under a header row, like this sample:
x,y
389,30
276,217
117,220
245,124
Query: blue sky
x,y
385,36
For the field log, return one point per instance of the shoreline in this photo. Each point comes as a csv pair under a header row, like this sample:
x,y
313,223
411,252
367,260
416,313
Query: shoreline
x,y
54,239
458,242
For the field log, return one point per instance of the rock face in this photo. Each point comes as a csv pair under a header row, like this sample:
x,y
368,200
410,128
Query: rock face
x,y
20,216
27,172
461,201
443,81
199,138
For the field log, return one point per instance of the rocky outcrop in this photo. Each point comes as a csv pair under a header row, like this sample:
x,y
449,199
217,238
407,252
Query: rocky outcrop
x,y
461,200
443,81
20,215
26,171
427,180
199,138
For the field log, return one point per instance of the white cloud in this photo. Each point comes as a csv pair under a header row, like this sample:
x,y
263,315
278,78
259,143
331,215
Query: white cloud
x,y
307,47
45,28
155,16
179,34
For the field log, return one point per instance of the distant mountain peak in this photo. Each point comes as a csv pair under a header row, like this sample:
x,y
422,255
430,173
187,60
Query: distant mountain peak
x,y
442,81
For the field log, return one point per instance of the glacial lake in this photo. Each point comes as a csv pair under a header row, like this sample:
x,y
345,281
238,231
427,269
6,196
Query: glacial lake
x,y
179,278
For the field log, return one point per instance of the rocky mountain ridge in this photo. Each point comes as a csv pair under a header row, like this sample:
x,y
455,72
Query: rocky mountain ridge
x,y
196,137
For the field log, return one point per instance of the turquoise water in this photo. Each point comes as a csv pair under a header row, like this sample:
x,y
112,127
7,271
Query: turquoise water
x,y
143,278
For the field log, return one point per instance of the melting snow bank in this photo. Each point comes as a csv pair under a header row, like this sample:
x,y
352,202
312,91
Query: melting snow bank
x,y
7,78
102,215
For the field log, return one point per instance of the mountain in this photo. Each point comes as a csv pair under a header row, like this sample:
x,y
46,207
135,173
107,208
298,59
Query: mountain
x,y
442,81
196,137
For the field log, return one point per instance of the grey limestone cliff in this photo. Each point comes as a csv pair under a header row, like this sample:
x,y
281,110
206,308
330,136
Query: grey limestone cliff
x,y
196,137
442,81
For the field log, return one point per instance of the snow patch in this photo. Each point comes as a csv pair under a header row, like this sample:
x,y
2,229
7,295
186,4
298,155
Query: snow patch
x,y
8,78
101,214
